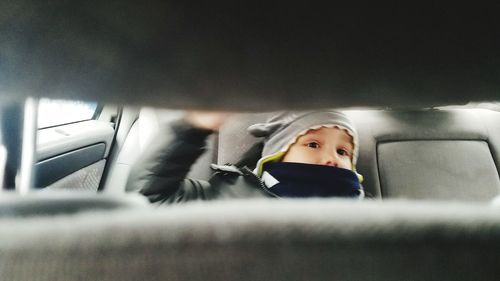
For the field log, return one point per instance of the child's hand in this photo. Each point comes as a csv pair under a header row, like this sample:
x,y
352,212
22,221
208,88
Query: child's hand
x,y
211,120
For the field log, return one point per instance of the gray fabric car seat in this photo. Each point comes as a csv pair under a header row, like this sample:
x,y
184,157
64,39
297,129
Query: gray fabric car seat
x,y
430,154
234,139
425,154
258,240
136,132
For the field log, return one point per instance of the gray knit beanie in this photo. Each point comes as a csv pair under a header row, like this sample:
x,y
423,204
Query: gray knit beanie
x,y
283,129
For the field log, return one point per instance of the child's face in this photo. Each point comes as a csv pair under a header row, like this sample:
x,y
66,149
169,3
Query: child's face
x,y
324,146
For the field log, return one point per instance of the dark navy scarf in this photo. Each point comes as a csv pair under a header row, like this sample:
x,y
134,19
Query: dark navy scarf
x,y
299,180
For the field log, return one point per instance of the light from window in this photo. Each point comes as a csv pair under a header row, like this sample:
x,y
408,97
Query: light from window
x,y
58,112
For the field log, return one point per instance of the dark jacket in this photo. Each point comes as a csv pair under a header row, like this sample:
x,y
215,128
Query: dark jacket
x,y
160,172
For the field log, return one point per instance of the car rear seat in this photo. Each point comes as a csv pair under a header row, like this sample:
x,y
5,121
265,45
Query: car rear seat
x,y
431,154
290,239
450,154
137,129
258,240
425,154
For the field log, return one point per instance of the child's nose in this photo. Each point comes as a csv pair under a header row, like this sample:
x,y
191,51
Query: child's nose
x,y
331,163
331,160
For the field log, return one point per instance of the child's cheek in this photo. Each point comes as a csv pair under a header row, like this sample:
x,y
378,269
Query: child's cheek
x,y
347,164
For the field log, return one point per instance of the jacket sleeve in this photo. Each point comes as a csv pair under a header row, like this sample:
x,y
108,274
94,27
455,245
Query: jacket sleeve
x,y
159,174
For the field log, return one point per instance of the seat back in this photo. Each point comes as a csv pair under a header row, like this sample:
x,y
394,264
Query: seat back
x,y
137,132
425,154
430,154
258,240
451,154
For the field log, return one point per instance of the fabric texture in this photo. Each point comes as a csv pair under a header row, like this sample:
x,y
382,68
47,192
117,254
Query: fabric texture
x,y
297,180
160,173
391,175
439,170
330,239
283,129
86,179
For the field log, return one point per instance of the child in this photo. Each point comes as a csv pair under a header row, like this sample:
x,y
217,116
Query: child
x,y
305,154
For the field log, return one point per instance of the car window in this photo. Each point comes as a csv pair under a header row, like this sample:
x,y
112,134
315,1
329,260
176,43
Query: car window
x,y
71,145
494,106
58,112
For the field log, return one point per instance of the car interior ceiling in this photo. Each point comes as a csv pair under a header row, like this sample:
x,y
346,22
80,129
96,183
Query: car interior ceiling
x,y
389,58
431,164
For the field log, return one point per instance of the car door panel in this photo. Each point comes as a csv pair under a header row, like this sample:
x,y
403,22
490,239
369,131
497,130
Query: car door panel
x,y
64,151
62,139
55,168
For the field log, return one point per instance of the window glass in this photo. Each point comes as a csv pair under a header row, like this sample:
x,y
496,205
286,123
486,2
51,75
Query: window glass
x,y
59,112
495,106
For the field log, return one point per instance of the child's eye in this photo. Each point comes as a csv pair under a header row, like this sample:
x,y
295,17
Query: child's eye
x,y
342,152
313,145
